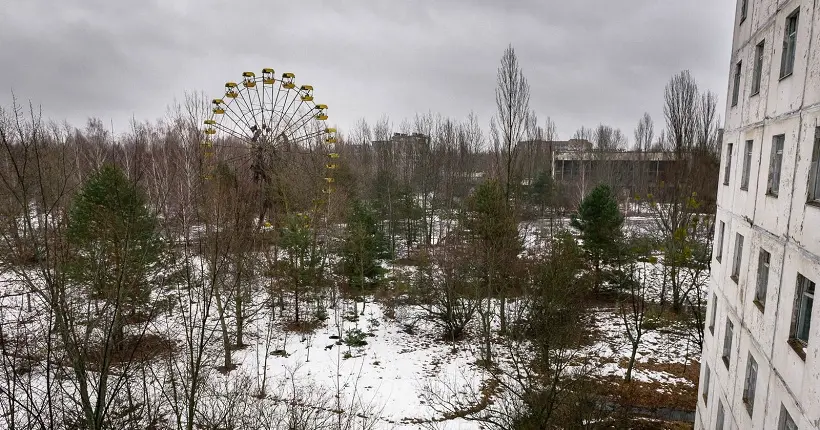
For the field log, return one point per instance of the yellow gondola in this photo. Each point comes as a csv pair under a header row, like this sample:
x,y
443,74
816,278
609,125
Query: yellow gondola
x,y
206,144
333,155
307,93
210,122
322,115
330,130
210,131
331,166
327,190
329,180
267,76
218,109
230,90
250,79
330,140
287,80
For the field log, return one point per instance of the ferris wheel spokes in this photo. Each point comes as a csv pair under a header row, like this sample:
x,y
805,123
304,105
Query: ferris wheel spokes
x,y
274,129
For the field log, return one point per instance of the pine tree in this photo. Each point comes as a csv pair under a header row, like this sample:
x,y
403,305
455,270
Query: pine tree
x,y
115,244
364,246
599,220
493,233
304,257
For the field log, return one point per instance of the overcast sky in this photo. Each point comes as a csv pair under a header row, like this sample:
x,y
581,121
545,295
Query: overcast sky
x,y
587,61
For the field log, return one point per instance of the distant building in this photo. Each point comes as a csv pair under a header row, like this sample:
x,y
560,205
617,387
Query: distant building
x,y
630,173
760,367
403,142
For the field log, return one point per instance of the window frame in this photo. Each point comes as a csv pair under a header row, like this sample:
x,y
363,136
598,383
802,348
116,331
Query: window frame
x,y
757,74
789,53
721,234
721,416
713,317
707,376
775,165
750,384
737,258
801,317
813,192
727,169
736,82
764,261
785,421
728,339
748,152
744,10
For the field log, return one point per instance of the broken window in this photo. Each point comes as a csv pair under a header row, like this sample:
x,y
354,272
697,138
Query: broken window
x,y
789,44
763,262
758,72
814,172
738,257
750,384
727,342
747,165
775,164
801,315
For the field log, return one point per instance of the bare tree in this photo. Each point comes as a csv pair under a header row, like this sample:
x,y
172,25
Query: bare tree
x,y
644,133
608,138
512,100
636,283
680,108
584,133
707,123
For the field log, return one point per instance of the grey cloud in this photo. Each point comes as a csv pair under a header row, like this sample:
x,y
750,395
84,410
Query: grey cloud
x,y
588,61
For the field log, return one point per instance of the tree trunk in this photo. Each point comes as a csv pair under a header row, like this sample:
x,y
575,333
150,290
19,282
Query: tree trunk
x,y
226,340
631,364
503,315
296,299
240,320
676,298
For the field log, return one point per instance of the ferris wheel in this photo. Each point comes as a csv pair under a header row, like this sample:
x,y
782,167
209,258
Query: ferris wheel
x,y
274,129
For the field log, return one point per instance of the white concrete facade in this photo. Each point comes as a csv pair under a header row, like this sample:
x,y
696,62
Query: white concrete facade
x,y
785,223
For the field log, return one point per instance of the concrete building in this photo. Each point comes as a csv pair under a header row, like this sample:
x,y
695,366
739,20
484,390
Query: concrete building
x,y
629,173
761,355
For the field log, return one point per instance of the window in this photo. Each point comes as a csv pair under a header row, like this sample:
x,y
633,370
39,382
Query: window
x,y
763,261
728,169
758,72
738,257
707,375
801,316
714,314
775,165
786,421
719,250
727,342
736,85
750,384
814,173
747,165
744,8
789,44
721,417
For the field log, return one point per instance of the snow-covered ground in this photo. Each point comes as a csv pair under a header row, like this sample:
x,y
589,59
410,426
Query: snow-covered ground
x,y
611,349
384,383
385,378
